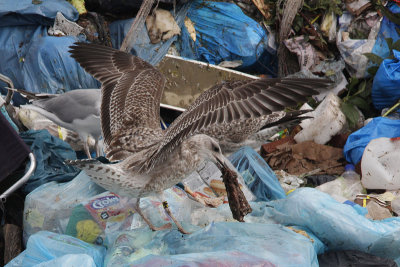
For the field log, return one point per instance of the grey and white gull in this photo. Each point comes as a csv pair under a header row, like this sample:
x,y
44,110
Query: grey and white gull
x,y
77,110
151,160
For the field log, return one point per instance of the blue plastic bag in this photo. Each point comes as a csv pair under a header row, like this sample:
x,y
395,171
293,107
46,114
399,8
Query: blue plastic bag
x,y
218,244
357,141
28,12
386,85
46,248
337,225
50,153
387,30
225,33
258,176
152,53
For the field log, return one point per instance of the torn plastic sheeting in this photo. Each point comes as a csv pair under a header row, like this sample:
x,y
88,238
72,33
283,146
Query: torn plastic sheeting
x,y
385,88
228,244
50,153
14,43
338,226
388,30
258,176
49,68
46,246
39,12
225,33
152,53
357,141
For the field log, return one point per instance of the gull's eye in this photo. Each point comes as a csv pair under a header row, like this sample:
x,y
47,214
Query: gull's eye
x,y
215,148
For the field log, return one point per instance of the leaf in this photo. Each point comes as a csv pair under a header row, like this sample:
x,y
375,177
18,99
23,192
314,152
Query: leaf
x,y
389,42
361,87
395,18
351,113
359,102
353,82
373,70
374,58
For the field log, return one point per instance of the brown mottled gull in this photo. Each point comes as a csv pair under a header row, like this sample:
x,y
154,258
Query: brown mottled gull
x,y
152,160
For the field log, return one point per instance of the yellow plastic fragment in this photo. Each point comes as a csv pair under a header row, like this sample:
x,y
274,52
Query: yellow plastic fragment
x,y
79,5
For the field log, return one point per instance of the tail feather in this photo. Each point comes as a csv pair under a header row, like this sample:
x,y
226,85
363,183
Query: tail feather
x,y
293,117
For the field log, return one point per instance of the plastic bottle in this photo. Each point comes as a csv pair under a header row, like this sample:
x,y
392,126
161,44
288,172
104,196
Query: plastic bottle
x,y
345,187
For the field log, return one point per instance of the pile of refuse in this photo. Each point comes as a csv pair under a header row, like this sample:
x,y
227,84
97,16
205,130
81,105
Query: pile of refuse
x,y
323,191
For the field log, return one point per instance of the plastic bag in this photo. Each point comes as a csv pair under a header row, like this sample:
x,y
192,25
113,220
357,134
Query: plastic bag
x,y
258,176
50,153
357,141
50,205
46,246
353,258
28,12
386,85
219,244
224,33
338,226
69,260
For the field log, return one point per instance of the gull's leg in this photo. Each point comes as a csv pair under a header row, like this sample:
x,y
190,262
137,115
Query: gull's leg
x,y
152,227
86,147
96,145
166,208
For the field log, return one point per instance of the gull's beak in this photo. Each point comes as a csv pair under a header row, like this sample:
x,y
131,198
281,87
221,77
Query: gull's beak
x,y
220,161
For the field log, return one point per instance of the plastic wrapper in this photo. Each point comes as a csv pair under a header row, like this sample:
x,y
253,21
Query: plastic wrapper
x,y
357,141
385,88
225,33
46,248
50,205
219,244
353,50
258,176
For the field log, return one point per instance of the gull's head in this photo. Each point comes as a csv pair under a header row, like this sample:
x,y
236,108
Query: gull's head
x,y
208,148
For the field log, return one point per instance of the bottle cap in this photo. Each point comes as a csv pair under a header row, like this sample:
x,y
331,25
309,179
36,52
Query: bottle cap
x,y
349,167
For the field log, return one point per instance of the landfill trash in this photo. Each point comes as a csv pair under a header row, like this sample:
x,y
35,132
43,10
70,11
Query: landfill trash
x,y
328,120
161,26
49,206
96,216
384,200
257,175
386,83
63,26
338,225
352,46
307,55
345,187
206,182
225,33
377,212
191,29
329,25
45,248
307,157
289,182
395,205
380,164
353,258
316,180
219,244
50,153
358,140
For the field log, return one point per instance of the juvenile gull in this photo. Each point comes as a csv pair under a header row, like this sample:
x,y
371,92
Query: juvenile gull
x,y
77,110
152,160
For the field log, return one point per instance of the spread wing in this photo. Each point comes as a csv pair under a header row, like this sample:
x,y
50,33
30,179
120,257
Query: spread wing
x,y
235,101
131,94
